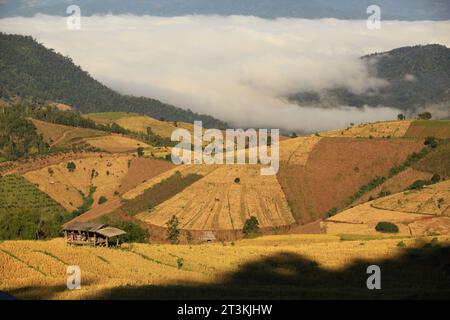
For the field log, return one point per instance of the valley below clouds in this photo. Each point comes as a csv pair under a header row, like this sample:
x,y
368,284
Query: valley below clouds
x,y
237,68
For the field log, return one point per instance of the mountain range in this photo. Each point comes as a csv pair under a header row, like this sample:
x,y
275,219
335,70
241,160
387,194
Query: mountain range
x,y
417,77
316,9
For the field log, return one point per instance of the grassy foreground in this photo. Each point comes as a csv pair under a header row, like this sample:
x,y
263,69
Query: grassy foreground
x,y
288,266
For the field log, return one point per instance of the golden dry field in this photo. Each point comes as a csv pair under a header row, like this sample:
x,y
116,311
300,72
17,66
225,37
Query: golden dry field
x,y
139,123
415,212
37,269
433,200
68,188
217,201
62,136
297,150
185,170
393,129
116,143
161,128
395,184
50,132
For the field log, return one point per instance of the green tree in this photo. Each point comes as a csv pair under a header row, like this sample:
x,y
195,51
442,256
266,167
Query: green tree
x,y
71,166
435,178
140,151
102,199
401,116
431,142
135,232
251,226
189,236
386,227
173,231
424,115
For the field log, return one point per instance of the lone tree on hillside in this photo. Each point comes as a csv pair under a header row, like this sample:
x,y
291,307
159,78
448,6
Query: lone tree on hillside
x,y
140,151
424,116
386,227
71,166
401,116
102,199
173,231
431,142
251,226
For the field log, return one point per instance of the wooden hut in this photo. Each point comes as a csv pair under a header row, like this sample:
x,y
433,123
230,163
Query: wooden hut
x,y
90,233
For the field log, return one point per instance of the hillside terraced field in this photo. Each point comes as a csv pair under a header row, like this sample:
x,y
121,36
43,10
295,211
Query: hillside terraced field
x,y
275,266
297,150
26,212
335,169
184,170
395,184
49,131
431,200
68,188
418,212
429,128
161,128
139,123
18,195
116,143
64,136
393,129
437,161
219,202
108,117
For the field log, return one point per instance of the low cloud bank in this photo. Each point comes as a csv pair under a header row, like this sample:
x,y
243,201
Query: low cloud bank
x,y
235,68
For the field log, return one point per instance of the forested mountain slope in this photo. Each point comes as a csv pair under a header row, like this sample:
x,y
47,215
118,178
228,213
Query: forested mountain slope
x,y
416,77
28,69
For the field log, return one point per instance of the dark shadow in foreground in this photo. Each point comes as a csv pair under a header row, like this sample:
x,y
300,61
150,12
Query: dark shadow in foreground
x,y
414,274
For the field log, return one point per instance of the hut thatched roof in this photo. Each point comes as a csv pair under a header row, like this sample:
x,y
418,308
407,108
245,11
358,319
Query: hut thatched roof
x,y
111,232
84,226
99,228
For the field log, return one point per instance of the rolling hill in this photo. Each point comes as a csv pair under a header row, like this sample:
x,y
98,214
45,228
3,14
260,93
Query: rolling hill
x,y
29,70
415,212
417,77
316,172
139,123
344,9
320,175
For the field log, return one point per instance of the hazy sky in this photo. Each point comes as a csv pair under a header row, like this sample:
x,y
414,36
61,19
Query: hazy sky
x,y
236,68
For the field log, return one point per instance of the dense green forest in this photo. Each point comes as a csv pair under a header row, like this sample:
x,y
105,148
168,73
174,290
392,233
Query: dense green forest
x,y
417,76
29,70
18,135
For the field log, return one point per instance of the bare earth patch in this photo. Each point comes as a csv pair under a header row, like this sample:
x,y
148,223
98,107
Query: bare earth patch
x,y
335,169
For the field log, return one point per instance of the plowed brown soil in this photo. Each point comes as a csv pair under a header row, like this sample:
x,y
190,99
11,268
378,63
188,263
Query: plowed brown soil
x,y
335,169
